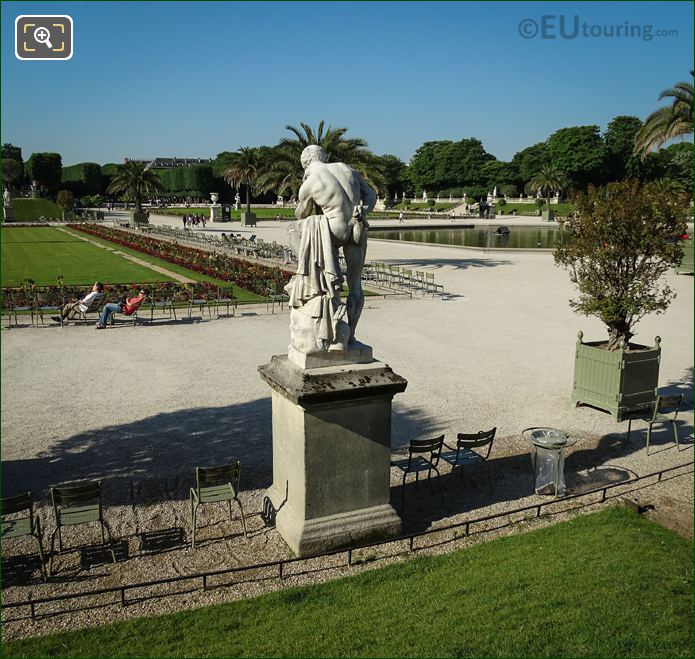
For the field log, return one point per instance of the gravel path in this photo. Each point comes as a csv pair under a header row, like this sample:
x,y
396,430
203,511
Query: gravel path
x,y
139,408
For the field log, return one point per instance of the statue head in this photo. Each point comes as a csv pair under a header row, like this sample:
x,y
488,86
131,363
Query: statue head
x,y
311,153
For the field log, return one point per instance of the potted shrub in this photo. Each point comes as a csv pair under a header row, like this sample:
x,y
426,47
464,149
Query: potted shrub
x,y
618,244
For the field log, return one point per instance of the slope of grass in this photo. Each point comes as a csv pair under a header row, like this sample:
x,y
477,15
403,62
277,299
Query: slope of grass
x,y
610,584
43,253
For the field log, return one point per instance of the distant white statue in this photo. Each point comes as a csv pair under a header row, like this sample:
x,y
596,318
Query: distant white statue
x,y
424,195
280,201
6,199
333,203
237,201
494,192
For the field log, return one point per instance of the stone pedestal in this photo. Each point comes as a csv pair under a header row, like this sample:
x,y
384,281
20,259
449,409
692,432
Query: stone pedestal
x,y
331,453
216,213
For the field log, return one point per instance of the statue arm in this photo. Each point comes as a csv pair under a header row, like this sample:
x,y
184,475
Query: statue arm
x,y
368,195
306,205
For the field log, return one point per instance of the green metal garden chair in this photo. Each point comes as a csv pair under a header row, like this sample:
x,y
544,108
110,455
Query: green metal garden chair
x,y
464,454
77,504
28,524
423,455
201,299
213,485
225,296
665,410
274,296
49,301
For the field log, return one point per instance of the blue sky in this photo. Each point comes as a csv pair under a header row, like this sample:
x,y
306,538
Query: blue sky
x,y
196,78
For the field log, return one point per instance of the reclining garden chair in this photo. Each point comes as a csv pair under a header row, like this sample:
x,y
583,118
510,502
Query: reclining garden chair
x,y
665,410
20,526
77,504
423,455
212,485
464,454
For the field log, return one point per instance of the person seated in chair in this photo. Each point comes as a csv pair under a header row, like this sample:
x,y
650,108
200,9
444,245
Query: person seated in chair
x,y
71,309
126,306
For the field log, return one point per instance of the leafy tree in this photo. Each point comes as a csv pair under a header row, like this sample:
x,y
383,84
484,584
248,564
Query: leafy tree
x,y
283,170
579,153
620,241
12,152
496,173
620,143
395,175
680,163
549,181
65,199
668,122
12,171
509,190
246,167
529,161
445,164
135,181
46,169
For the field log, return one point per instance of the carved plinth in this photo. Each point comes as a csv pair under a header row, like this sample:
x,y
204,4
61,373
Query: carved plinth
x,y
331,453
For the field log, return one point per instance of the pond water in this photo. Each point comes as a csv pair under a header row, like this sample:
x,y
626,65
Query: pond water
x,y
518,238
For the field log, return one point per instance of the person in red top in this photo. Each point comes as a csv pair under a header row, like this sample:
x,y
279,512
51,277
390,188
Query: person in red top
x,y
127,307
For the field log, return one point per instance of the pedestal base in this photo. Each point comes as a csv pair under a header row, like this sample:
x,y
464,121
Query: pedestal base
x,y
216,213
331,453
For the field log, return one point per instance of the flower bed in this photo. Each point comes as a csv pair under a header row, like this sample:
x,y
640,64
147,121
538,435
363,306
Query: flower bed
x,y
252,277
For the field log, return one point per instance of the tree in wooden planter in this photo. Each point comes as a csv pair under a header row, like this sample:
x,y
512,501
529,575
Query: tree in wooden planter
x,y
619,243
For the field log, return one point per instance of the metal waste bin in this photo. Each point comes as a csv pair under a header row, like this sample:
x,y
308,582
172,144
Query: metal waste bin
x,y
548,459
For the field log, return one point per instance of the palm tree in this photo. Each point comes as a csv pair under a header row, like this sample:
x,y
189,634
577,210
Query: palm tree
x,y
245,167
548,181
668,122
135,181
284,169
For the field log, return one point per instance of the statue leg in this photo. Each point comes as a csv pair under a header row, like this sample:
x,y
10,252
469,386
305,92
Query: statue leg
x,y
354,259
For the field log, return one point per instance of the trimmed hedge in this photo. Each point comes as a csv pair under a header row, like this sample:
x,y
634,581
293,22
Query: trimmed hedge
x,y
28,210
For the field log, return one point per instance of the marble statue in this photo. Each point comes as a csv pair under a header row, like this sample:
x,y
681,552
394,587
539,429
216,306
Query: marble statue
x,y
424,195
6,199
237,201
331,213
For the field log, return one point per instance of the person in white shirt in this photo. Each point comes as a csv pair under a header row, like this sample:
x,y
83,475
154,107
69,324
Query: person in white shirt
x,y
71,308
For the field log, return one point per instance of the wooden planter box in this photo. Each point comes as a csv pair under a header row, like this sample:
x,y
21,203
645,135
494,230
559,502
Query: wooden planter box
x,y
138,219
618,382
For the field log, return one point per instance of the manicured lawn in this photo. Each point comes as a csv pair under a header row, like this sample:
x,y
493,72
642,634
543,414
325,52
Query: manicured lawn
x,y
610,584
241,294
44,253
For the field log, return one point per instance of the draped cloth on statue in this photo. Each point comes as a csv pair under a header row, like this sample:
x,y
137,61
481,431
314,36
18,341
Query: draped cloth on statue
x,y
315,289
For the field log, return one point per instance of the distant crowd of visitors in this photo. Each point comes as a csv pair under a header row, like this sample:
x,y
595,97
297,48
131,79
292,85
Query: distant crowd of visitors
x,y
193,220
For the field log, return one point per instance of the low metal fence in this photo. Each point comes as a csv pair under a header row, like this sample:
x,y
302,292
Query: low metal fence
x,y
280,566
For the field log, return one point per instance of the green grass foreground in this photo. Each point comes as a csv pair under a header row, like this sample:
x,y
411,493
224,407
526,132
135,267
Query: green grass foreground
x,y
610,584
44,253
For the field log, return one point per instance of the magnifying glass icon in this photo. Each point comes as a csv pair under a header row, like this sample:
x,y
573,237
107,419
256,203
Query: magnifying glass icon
x,y
43,35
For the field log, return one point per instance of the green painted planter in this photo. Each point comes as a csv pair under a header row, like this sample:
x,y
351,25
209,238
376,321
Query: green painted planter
x,y
617,382
686,265
548,216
